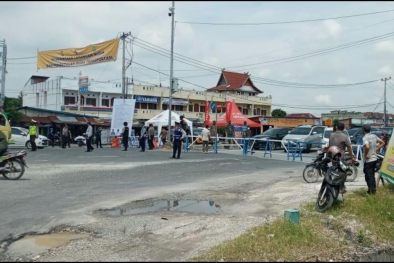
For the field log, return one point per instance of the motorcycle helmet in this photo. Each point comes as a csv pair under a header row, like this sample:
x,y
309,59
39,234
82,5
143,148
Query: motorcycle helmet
x,y
334,154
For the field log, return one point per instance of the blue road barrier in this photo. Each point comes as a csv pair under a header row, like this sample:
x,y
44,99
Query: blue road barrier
x,y
268,147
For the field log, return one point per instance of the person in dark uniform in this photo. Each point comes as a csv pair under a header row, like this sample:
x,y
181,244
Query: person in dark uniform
x,y
179,135
142,139
125,136
98,138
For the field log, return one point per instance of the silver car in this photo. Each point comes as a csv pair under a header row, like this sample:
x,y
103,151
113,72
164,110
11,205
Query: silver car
x,y
305,133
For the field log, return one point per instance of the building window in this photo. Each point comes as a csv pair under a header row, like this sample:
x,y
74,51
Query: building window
x,y
264,112
112,101
152,106
196,107
105,102
91,102
165,107
144,106
191,108
258,111
177,108
202,108
69,100
223,110
245,111
137,106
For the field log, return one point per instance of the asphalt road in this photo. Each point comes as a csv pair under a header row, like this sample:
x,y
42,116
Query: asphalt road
x,y
65,186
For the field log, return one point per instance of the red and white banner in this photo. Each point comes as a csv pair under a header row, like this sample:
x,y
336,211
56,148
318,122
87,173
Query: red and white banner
x,y
207,110
228,108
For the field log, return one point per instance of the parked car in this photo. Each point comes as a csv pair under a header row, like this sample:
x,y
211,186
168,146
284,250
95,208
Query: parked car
x,y
21,138
271,134
327,134
306,133
387,129
356,134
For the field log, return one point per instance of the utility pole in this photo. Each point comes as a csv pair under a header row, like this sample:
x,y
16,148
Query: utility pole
x,y
123,38
172,14
3,72
385,101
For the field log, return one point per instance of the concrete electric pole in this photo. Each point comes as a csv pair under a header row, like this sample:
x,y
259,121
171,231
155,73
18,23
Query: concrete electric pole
x,y
3,72
123,38
385,101
172,14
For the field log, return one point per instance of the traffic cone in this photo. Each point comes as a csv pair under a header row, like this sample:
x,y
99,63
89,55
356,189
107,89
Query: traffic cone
x,y
115,143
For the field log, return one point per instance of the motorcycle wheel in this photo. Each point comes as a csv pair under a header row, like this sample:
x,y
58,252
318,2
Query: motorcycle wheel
x,y
15,168
352,174
311,174
326,203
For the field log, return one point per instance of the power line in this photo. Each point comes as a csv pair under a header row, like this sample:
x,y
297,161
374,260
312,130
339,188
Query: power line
x,y
284,22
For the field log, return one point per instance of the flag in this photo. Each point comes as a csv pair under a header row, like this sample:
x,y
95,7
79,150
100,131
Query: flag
x,y
213,106
206,113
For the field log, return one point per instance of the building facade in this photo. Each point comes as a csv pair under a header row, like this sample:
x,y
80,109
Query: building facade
x,y
61,94
359,118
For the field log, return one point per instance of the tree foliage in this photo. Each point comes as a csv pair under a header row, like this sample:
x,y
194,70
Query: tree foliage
x,y
10,106
278,113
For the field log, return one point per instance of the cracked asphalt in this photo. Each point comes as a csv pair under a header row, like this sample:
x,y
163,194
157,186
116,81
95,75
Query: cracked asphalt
x,y
65,186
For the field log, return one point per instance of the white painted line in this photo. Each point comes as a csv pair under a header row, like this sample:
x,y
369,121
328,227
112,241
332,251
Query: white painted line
x,y
98,156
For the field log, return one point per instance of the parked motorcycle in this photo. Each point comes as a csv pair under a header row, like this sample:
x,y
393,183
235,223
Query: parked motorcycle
x,y
12,165
333,186
379,162
319,167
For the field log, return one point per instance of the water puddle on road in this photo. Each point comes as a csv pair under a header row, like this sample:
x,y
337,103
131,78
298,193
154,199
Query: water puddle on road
x,y
34,245
189,206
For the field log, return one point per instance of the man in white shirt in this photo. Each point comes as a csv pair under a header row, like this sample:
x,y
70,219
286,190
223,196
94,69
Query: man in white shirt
x,y
205,139
89,134
370,142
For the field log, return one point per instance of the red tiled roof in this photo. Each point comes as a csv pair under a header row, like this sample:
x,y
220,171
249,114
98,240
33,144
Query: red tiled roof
x,y
301,115
377,114
234,81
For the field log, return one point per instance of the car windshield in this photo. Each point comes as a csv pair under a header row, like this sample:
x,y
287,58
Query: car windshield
x,y
352,131
24,130
301,131
327,134
271,132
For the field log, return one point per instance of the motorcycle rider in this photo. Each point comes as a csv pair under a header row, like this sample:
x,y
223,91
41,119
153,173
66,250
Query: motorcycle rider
x,y
342,141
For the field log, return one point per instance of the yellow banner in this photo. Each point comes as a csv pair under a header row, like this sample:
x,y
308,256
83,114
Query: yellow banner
x,y
76,57
387,170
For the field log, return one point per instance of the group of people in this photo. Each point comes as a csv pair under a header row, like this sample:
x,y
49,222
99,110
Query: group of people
x,y
372,145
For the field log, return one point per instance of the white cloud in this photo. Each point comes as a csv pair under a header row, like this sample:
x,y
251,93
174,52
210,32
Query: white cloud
x,y
385,46
323,99
385,71
342,80
333,28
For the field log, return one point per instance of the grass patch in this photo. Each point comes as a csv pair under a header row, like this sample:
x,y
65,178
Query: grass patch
x,y
313,238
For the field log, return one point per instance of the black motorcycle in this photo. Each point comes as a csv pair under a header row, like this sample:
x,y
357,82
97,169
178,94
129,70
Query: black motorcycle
x,y
316,169
319,166
12,165
333,186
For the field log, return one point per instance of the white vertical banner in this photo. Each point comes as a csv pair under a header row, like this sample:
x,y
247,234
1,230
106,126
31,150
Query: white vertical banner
x,y
122,110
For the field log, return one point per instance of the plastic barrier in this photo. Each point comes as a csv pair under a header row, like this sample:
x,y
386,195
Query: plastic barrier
x,y
268,147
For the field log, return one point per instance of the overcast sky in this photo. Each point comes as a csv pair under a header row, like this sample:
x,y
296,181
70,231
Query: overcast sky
x,y
28,26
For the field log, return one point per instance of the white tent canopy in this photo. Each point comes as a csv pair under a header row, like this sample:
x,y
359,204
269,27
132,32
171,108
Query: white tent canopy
x,y
161,120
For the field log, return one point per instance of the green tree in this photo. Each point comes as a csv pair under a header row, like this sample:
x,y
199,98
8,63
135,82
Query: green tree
x,y
10,106
335,122
278,113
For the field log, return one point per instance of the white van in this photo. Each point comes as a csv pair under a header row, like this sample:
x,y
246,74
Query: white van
x,y
327,133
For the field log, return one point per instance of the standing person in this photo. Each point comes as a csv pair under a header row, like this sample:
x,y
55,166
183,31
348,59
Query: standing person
x,y
51,137
205,139
179,135
151,136
70,138
244,129
229,132
213,129
383,137
65,135
98,138
342,141
183,124
142,138
125,136
248,134
33,135
89,134
163,135
370,141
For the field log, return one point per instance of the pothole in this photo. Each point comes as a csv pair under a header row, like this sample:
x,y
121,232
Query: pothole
x,y
188,206
34,245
